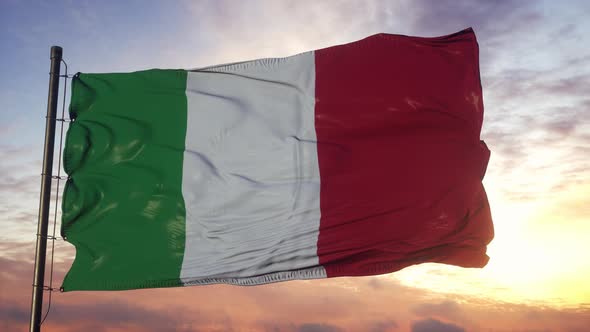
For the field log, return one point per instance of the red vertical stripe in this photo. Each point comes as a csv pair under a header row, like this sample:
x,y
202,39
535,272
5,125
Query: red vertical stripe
x,y
398,121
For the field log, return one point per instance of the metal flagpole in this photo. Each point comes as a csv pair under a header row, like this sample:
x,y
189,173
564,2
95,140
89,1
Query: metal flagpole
x,y
38,282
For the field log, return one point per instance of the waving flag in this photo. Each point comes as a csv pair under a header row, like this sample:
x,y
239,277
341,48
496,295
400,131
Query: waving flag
x,y
358,159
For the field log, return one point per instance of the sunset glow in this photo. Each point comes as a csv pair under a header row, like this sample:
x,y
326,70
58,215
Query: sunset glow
x,y
535,73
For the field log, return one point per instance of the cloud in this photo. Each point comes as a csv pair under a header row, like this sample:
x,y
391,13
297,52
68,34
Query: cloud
x,y
107,315
119,314
447,309
19,191
316,327
550,144
528,88
245,27
484,15
19,253
433,325
383,326
13,314
341,304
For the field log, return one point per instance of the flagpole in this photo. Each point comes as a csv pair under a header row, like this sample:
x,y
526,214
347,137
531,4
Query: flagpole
x,y
43,222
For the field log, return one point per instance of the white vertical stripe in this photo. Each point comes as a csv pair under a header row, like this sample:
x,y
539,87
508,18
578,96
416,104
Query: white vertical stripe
x,y
251,181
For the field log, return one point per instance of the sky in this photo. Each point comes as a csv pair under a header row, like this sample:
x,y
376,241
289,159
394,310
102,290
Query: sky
x,y
535,71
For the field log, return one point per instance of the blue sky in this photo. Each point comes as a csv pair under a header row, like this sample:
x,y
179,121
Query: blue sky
x,y
535,68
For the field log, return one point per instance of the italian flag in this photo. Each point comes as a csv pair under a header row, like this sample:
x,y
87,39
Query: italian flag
x,y
353,160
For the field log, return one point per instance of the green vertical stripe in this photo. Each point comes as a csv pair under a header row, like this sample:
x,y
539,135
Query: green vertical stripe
x,y
122,206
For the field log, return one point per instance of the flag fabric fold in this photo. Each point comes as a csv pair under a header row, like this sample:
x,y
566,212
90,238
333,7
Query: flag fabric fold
x,y
357,159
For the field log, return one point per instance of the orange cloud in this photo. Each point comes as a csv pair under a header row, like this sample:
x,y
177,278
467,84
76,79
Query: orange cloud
x,y
372,304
